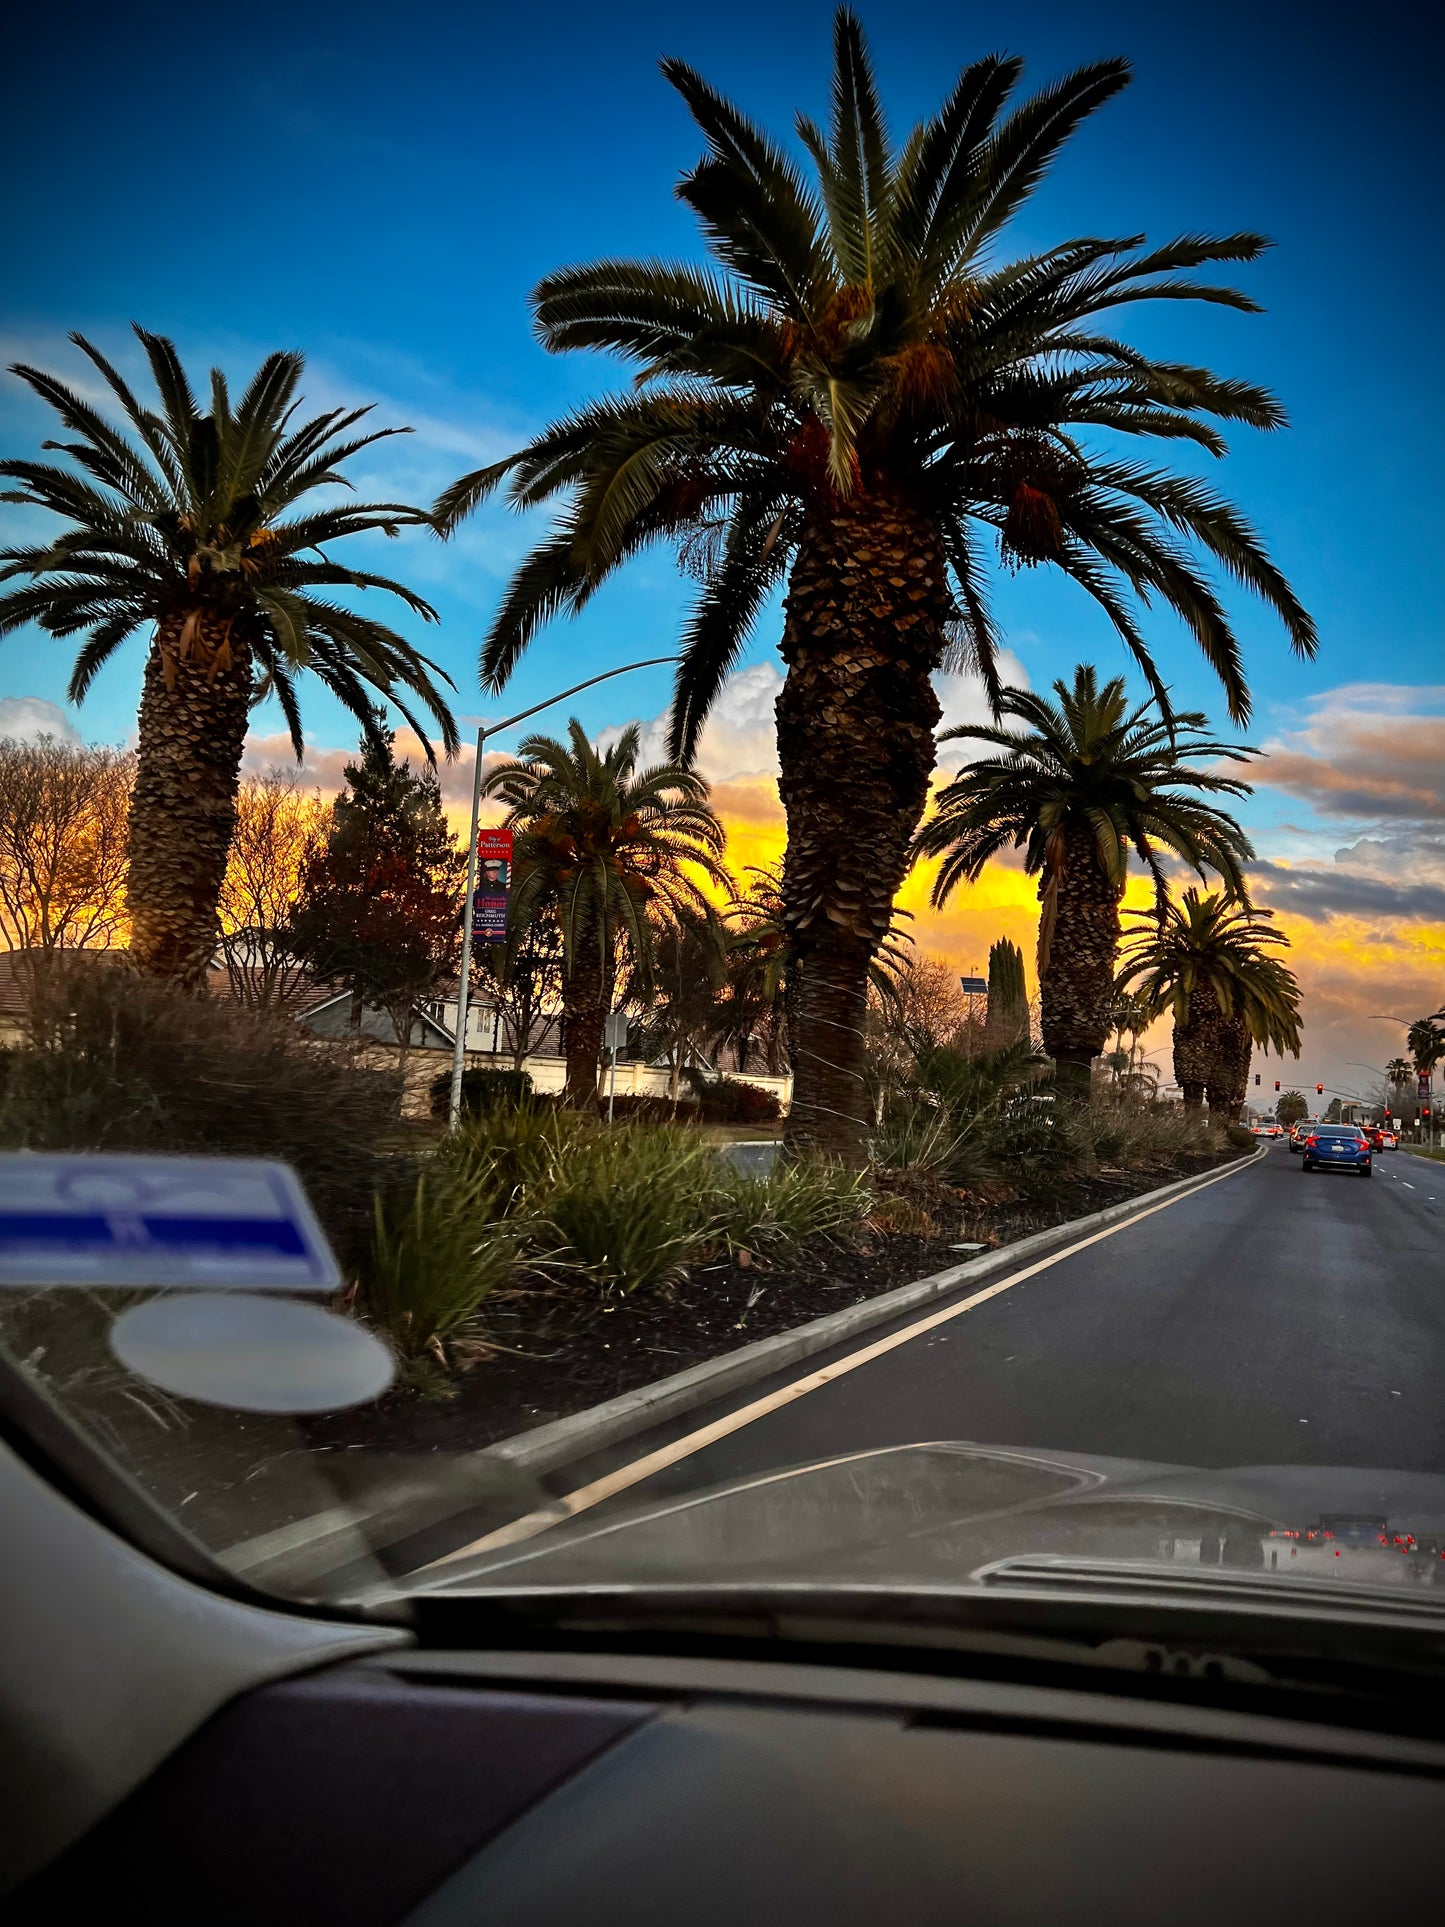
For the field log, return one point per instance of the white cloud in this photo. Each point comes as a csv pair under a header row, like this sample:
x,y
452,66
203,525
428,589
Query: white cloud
x,y
964,701
25,719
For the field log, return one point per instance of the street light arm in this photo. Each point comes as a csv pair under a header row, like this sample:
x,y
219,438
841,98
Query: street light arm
x,y
651,662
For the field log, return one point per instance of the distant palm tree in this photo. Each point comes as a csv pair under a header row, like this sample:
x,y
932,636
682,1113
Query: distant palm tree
x,y
179,524
1398,1072
1426,1044
611,851
1206,961
859,388
1087,779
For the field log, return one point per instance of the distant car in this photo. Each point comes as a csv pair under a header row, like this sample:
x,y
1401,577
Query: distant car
x,y
1380,1138
1337,1147
1298,1133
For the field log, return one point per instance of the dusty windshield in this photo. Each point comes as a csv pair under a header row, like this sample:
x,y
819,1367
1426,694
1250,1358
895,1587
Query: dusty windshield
x,y
728,880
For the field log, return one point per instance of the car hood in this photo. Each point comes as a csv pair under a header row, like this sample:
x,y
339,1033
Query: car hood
x,y
939,1512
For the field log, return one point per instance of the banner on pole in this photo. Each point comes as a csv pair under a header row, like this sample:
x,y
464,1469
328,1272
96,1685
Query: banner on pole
x,y
1422,1084
494,883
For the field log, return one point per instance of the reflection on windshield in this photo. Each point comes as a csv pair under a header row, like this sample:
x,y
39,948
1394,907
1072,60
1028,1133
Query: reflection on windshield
x,y
847,1076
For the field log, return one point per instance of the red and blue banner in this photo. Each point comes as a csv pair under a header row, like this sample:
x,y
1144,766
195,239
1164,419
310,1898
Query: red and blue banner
x,y
494,883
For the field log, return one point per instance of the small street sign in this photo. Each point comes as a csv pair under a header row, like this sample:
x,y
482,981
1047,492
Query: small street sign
x,y
87,1219
615,1031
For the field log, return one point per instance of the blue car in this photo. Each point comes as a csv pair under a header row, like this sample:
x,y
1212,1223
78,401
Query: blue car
x,y
1336,1147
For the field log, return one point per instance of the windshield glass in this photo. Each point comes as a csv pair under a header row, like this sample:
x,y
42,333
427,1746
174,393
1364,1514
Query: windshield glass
x,y
888,1026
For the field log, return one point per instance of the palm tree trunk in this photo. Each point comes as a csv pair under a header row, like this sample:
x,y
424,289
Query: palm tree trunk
x,y
1076,972
1196,1046
190,735
584,1008
1228,1082
866,609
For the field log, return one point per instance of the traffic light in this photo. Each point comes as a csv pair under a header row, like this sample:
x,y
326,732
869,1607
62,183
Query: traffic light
x,y
1424,1110
1319,1090
1256,1079
1276,1083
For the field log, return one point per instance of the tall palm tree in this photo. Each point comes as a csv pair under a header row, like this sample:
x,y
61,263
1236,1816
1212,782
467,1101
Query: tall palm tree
x,y
190,521
1086,779
1207,961
1398,1072
856,390
615,852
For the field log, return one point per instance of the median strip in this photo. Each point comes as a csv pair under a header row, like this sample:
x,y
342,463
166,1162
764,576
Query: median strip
x,y
590,1431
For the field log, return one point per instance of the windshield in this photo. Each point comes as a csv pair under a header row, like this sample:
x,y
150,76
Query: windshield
x,y
677,903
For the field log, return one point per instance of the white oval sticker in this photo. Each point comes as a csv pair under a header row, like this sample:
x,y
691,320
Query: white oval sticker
x,y
252,1354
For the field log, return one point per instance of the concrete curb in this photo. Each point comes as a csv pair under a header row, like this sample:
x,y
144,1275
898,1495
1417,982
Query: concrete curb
x,y
529,1455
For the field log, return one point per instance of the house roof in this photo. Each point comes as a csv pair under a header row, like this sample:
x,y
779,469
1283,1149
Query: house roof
x,y
15,967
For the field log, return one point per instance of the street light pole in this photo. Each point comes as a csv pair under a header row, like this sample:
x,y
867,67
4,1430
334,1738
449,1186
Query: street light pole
x,y
459,1046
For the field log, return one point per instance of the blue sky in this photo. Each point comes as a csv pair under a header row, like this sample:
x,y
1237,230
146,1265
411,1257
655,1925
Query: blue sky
x,y
382,186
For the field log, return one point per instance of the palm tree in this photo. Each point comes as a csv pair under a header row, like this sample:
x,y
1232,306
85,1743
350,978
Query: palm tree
x,y
676,994
1398,1072
1206,960
855,391
186,522
1426,1044
611,850
1086,778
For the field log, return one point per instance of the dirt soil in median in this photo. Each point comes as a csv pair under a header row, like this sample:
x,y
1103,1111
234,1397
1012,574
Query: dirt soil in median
x,y
548,1354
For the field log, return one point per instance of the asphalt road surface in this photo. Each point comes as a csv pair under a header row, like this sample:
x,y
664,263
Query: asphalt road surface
x,y
1273,1317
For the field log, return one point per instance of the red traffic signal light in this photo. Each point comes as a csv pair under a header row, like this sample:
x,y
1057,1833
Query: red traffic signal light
x,y
1276,1083
1424,1110
1319,1090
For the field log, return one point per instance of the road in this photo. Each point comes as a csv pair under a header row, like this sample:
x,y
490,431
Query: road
x,y
1273,1317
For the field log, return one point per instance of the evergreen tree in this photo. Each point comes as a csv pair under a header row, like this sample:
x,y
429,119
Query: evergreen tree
x,y
380,905
1007,1022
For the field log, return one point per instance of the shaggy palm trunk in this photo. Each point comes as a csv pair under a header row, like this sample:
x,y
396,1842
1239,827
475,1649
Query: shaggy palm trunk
x,y
1076,978
866,608
1197,1046
190,735
1228,1082
585,985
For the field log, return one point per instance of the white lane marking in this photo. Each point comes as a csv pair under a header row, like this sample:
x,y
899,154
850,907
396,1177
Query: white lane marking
x,y
586,1496
1407,1184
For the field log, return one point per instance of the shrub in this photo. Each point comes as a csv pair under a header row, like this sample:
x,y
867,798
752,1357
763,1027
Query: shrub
x,y
482,1090
799,1205
651,1110
515,1153
731,1100
1240,1136
114,1062
918,1135
436,1256
630,1207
